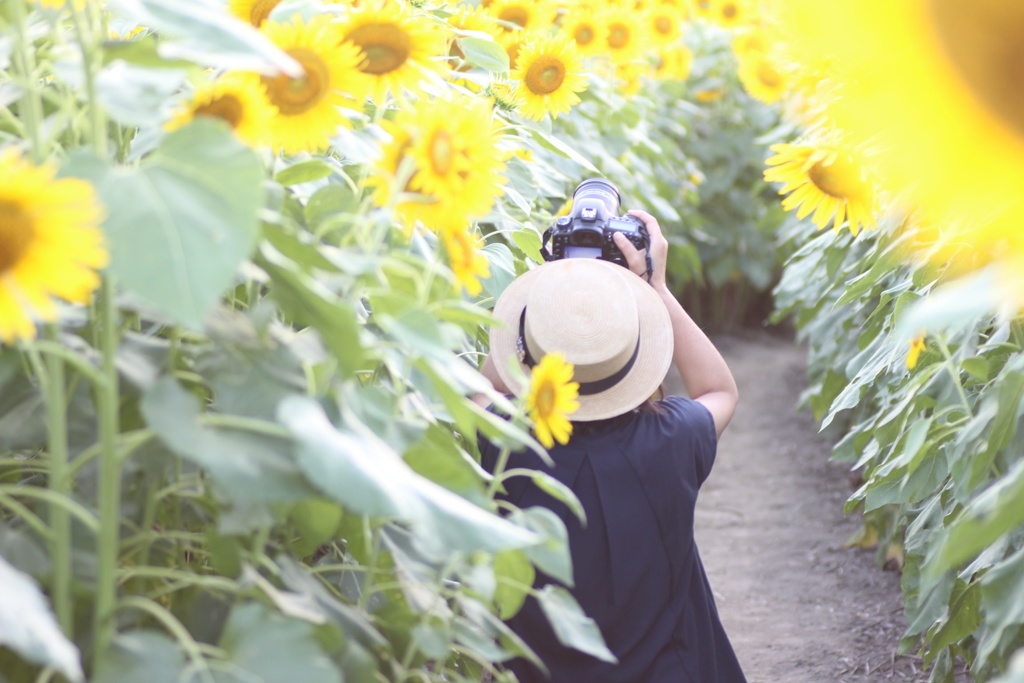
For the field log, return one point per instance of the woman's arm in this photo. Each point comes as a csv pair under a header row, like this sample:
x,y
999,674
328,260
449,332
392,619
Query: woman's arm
x,y
704,372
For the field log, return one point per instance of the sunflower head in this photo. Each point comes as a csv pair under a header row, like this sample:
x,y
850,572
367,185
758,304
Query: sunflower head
x,y
51,246
550,75
399,46
829,180
523,15
238,100
551,398
625,37
253,11
468,263
585,28
762,77
917,345
673,63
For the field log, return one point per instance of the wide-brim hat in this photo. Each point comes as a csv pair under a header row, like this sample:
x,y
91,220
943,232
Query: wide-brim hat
x,y
607,321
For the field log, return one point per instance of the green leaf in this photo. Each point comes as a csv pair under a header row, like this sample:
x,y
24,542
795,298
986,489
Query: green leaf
x,y
503,269
552,554
573,628
515,575
27,625
560,492
363,473
552,143
179,227
140,656
254,469
304,172
266,647
207,34
529,242
1002,602
484,53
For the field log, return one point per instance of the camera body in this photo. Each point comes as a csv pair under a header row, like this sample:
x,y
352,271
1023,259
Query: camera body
x,y
586,232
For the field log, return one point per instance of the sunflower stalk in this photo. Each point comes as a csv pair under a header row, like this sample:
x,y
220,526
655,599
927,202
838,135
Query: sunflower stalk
x,y
60,485
31,111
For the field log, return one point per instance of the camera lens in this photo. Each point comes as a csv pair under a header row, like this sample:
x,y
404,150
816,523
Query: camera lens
x,y
595,199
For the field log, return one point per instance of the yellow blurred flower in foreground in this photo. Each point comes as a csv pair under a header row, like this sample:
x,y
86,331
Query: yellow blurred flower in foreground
x,y
550,73
50,244
551,399
253,11
310,106
935,86
239,100
825,179
917,345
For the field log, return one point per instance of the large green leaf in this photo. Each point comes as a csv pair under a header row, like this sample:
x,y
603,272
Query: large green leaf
x,y
140,655
179,226
206,33
28,627
573,628
363,473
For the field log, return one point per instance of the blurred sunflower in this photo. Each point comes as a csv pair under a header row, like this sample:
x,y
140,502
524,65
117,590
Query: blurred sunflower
x,y
253,11
749,40
454,162
828,180
400,47
630,76
467,262
673,63
551,399
550,73
762,77
582,24
664,23
527,15
239,100
50,244
917,345
60,4
309,107
729,13
625,38
937,87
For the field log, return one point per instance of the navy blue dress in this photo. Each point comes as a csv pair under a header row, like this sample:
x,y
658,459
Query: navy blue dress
x,y
636,567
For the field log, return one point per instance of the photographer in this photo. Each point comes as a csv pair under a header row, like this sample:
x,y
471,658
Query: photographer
x,y
635,463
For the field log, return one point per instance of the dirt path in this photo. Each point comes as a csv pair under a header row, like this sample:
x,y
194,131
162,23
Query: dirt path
x,y
798,606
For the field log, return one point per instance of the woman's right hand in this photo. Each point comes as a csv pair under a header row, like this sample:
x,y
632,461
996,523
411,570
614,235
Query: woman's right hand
x,y
637,258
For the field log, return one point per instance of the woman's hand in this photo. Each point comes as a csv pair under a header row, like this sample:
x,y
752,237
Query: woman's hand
x,y
637,259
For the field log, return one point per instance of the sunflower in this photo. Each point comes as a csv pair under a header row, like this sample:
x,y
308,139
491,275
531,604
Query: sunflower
x,y
673,63
762,77
828,180
917,345
550,73
239,100
630,76
253,11
50,244
664,24
552,398
455,164
729,13
937,86
467,261
624,37
310,106
400,48
583,25
527,15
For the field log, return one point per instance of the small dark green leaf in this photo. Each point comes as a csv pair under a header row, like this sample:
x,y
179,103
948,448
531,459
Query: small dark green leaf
x,y
304,172
573,628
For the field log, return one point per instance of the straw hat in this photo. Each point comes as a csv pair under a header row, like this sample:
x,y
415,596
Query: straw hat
x,y
607,321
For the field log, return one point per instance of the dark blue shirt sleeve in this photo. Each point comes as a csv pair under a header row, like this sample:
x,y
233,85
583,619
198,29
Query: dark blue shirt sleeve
x,y
694,428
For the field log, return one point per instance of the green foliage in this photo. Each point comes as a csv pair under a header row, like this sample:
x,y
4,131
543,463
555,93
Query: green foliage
x,y
937,445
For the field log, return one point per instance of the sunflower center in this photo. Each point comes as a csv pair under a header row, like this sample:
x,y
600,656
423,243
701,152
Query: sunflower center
x,y
618,35
840,179
261,9
293,96
729,10
16,234
545,75
767,74
663,25
226,107
442,152
985,42
545,399
584,35
385,47
520,16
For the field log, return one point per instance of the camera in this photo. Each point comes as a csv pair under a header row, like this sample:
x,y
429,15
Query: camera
x,y
586,232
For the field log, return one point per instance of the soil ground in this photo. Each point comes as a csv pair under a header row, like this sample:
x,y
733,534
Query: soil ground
x,y
798,605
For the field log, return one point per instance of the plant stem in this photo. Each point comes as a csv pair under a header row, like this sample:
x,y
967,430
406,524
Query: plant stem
x,y
109,492
31,111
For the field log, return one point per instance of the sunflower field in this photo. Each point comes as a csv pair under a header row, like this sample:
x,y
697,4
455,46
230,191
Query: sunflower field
x,y
248,252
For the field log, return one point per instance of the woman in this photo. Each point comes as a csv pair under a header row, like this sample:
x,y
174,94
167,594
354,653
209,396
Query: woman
x,y
635,464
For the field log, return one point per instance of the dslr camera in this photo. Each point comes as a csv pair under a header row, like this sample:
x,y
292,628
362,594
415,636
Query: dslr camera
x,y
588,229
